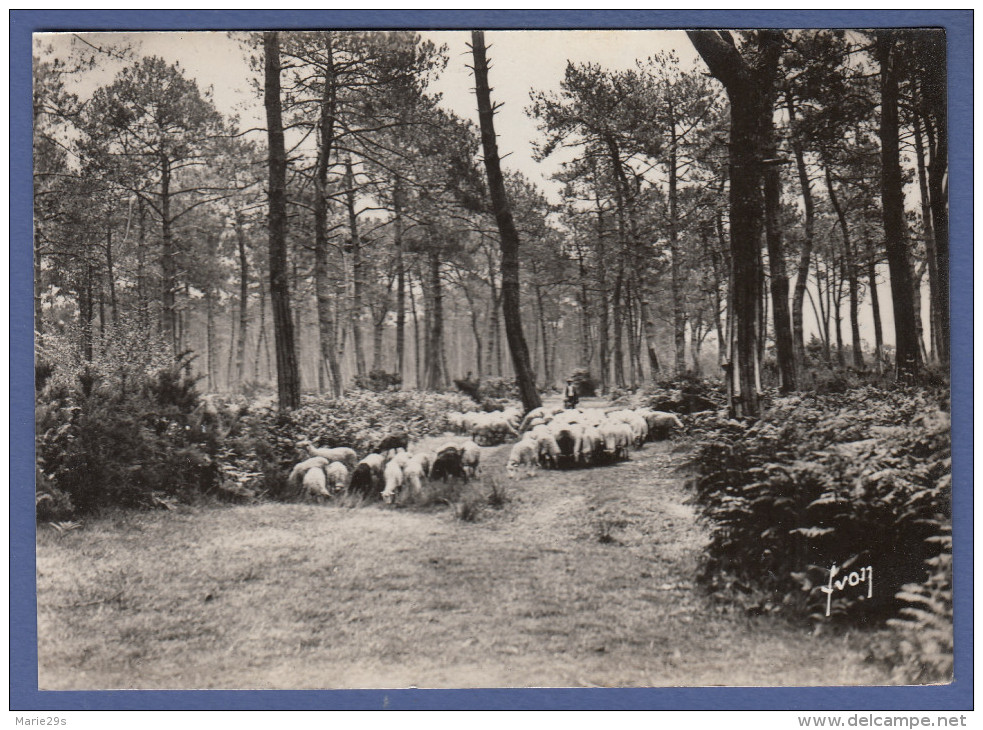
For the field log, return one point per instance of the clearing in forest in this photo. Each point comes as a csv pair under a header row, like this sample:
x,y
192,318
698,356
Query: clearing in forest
x,y
583,578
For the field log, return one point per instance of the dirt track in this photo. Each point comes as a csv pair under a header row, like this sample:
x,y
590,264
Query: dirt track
x,y
584,578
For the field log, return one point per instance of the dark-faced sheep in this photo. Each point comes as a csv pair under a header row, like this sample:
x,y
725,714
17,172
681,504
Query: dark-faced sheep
x,y
448,464
393,442
367,477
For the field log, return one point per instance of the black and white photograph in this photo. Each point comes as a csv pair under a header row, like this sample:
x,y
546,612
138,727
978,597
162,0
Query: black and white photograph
x,y
388,359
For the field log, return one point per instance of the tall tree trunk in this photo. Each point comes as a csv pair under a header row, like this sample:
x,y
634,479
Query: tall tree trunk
x,y
240,346
167,265
261,335
676,272
417,366
111,274
85,311
38,320
143,298
931,259
547,375
494,342
506,227
892,202
619,353
651,336
475,331
604,333
805,254
209,341
400,282
230,365
784,341
850,270
323,286
837,309
935,92
288,374
585,351
938,193
355,249
749,89
435,373
720,313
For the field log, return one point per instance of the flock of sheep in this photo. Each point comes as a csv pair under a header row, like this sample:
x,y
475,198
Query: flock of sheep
x,y
384,473
549,438
585,436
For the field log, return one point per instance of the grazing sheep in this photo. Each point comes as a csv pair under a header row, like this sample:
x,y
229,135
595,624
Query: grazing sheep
x,y
394,482
316,483
568,439
471,458
449,446
337,474
524,453
401,458
393,442
343,454
535,413
617,439
298,472
413,474
426,458
367,479
549,450
592,445
662,423
448,464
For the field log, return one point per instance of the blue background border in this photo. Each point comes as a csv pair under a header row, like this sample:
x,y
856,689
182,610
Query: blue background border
x,y
24,694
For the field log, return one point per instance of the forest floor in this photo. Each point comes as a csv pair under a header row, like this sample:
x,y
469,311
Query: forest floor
x,y
583,578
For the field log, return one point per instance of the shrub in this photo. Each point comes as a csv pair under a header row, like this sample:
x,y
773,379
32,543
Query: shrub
x,y
819,481
584,382
684,394
122,441
921,647
379,381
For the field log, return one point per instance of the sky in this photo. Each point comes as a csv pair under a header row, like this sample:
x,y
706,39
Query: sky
x,y
520,61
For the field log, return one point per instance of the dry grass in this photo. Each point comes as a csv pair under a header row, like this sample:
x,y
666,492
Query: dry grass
x,y
317,596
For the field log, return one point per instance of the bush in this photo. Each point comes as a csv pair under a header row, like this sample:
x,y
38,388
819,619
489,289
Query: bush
x,y
488,390
921,648
585,383
134,441
684,394
379,381
851,480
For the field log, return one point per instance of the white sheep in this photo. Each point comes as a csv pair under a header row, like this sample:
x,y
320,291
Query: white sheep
x,y
549,450
471,458
592,444
413,474
337,474
524,453
298,472
662,423
401,458
341,453
394,482
316,483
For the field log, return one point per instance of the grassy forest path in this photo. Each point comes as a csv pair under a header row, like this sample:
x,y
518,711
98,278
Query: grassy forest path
x,y
582,578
